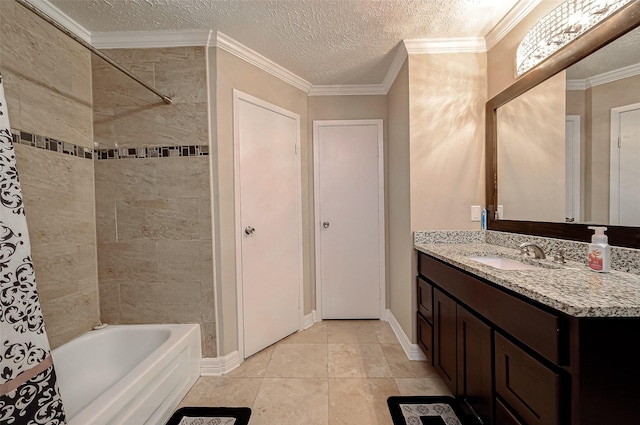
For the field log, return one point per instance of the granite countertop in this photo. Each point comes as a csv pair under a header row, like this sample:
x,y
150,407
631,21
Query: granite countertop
x,y
571,288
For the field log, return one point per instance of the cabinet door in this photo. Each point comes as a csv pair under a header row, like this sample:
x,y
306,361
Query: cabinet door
x,y
444,339
425,337
475,357
425,299
527,386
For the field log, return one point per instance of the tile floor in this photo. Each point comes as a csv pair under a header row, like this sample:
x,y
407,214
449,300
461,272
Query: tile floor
x,y
335,372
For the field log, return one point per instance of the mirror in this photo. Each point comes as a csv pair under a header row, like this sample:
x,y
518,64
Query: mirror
x,y
549,160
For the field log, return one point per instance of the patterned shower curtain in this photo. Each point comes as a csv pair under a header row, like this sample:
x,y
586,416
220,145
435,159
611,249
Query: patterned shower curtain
x,y
28,390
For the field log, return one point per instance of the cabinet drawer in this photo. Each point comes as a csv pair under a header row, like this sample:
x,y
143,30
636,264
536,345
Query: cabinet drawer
x,y
425,299
425,337
504,416
527,386
533,326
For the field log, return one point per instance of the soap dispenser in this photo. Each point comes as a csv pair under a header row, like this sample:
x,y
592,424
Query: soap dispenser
x,y
599,251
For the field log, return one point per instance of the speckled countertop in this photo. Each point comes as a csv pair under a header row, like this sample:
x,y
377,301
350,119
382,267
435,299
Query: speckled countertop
x,y
571,288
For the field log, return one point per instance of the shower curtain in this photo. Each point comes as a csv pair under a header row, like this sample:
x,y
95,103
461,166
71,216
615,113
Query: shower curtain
x,y
28,390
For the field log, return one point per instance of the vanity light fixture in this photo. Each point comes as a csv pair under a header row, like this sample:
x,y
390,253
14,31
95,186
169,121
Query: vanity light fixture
x,y
559,27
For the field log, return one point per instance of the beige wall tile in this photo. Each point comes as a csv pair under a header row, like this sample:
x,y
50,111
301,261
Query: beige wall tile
x,y
126,179
208,336
184,260
112,88
204,219
160,302
184,80
132,261
157,125
158,219
109,301
68,317
183,177
104,131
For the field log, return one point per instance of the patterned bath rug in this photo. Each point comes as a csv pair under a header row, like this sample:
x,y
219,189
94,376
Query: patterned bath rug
x,y
210,416
427,410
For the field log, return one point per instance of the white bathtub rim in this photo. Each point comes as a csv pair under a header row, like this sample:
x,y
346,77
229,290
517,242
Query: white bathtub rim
x,y
137,378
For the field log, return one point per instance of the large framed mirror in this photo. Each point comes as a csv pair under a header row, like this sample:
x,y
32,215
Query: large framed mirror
x,y
553,166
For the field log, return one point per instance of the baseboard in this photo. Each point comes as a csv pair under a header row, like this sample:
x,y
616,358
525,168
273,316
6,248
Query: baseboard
x,y
310,319
412,351
219,366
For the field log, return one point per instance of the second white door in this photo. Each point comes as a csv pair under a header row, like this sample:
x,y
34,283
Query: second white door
x,y
350,219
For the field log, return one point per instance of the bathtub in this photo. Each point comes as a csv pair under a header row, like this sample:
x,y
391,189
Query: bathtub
x,y
127,374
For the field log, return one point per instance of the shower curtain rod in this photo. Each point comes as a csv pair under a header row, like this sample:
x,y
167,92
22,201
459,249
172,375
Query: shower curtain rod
x,y
98,53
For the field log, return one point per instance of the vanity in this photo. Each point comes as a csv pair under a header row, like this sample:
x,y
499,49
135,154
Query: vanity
x,y
551,344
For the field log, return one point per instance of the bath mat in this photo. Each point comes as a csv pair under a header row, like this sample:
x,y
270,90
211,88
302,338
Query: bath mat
x,y
427,410
210,416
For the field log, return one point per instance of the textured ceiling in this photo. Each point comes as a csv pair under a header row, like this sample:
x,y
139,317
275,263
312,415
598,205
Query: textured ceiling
x,y
621,53
325,42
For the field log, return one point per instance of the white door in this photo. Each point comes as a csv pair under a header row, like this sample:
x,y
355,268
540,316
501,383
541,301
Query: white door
x,y
350,219
625,169
268,216
572,169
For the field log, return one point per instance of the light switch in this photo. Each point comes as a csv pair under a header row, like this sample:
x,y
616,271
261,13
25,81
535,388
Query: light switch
x,y
476,212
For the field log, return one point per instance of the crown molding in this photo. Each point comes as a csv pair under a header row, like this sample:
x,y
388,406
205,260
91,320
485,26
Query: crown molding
x,y
348,90
149,39
61,18
395,67
446,45
611,76
509,21
230,45
604,78
577,85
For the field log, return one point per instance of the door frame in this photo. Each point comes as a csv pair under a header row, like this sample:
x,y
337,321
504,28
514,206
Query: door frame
x,y
381,202
614,164
239,96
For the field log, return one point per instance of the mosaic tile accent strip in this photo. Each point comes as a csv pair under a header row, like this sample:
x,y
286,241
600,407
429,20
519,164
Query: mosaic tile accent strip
x,y
152,152
43,142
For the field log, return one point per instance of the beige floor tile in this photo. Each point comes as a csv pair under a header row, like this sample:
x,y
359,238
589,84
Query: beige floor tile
x,y
223,392
401,367
255,366
351,331
316,334
422,386
291,402
345,361
385,333
357,361
298,361
360,401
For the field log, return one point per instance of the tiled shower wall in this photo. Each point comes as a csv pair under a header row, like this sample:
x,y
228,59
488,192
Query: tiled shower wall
x,y
153,190
47,81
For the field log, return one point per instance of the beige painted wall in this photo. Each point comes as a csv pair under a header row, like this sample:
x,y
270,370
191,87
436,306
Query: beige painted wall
x,y
155,259
340,108
399,232
227,72
47,81
602,99
531,153
501,58
447,99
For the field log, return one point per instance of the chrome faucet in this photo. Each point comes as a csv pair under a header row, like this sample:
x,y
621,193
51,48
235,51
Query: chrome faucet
x,y
538,252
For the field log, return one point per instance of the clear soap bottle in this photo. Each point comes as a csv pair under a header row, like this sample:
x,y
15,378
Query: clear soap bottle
x,y
599,251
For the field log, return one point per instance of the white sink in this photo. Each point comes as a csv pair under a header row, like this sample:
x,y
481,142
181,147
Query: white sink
x,y
504,263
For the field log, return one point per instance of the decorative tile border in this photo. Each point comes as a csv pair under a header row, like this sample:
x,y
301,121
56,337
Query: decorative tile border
x,y
43,142
152,152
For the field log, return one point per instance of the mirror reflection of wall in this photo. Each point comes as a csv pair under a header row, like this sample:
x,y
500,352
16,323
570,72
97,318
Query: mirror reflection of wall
x,y
531,154
585,177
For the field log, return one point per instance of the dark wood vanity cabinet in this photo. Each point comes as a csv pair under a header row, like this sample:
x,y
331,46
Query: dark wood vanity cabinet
x,y
516,362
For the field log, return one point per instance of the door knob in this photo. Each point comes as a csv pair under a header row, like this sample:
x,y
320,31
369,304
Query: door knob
x,y
325,224
249,230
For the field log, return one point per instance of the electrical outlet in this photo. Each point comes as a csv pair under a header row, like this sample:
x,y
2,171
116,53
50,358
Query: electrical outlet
x,y
500,211
476,212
